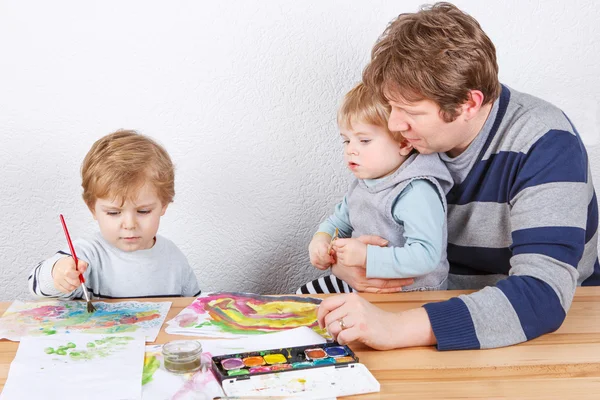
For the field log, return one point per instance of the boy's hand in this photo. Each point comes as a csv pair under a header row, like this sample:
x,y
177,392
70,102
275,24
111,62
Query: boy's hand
x,y
351,252
66,276
318,250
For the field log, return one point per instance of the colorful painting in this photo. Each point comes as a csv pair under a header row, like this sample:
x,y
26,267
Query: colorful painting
x,y
76,366
226,315
160,384
45,318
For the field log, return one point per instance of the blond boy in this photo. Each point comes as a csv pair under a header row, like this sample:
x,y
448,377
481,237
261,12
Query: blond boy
x,y
128,183
398,195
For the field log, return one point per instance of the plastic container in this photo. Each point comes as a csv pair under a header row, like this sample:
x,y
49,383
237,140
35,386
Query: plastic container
x,y
182,356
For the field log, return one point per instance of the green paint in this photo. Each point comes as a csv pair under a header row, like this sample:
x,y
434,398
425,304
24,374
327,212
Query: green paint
x,y
102,348
48,331
151,364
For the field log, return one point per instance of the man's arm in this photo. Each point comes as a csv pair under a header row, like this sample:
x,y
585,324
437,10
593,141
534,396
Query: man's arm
x,y
549,199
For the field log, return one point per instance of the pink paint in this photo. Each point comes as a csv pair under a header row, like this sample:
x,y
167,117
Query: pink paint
x,y
44,312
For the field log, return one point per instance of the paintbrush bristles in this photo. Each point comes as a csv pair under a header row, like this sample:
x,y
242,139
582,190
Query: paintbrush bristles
x,y
90,307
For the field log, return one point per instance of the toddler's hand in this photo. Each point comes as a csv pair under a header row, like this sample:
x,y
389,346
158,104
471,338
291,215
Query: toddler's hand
x,y
65,276
318,251
351,252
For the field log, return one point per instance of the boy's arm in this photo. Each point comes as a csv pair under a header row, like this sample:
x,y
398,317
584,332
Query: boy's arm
x,y
420,209
339,219
553,215
41,282
191,287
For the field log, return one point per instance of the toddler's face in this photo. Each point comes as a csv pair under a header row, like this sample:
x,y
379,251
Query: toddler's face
x,y
133,225
370,152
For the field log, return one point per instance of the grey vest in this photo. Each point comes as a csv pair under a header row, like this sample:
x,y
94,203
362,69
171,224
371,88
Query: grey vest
x,y
370,209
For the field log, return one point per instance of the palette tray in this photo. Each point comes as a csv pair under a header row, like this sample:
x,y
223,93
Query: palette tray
x,y
326,370
245,365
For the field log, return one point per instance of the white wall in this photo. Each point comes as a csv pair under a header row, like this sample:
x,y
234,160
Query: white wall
x,y
243,95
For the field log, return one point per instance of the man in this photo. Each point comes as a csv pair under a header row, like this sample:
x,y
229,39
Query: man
x,y
522,215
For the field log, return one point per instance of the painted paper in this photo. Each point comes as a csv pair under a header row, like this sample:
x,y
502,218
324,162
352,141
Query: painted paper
x,y
227,315
23,319
160,384
75,367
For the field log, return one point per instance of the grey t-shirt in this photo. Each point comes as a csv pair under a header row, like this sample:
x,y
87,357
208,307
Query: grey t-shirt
x,y
161,270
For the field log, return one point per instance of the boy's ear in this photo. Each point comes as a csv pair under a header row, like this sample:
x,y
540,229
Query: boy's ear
x,y
164,209
93,211
404,147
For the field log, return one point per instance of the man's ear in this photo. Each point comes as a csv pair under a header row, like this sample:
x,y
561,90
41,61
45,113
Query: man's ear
x,y
472,106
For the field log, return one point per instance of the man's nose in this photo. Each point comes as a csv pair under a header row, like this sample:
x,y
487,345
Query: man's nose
x,y
397,122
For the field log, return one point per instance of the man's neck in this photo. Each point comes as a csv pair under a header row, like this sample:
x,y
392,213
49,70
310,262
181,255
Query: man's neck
x,y
474,126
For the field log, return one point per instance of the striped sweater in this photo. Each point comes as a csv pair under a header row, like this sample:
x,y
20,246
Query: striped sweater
x,y
522,223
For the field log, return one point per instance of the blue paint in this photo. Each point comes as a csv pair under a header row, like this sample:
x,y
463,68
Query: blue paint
x,y
337,351
324,361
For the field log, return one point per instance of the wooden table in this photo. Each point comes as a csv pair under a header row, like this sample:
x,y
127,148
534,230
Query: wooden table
x,y
561,365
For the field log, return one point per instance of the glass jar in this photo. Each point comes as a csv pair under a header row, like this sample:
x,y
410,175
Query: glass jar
x,y
182,356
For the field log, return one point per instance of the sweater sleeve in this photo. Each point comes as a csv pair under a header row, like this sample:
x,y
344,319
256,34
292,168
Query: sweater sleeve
x,y
191,288
339,219
420,210
549,200
40,279
41,283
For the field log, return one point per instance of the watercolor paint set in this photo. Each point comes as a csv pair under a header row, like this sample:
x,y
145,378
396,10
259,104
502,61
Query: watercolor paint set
x,y
325,368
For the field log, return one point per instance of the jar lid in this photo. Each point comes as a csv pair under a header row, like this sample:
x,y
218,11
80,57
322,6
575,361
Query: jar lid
x,y
182,348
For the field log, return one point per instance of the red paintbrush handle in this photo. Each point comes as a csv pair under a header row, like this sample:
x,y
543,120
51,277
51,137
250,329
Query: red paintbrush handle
x,y
64,225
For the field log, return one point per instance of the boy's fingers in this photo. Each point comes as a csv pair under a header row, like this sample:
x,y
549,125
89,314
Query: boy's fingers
x,y
82,266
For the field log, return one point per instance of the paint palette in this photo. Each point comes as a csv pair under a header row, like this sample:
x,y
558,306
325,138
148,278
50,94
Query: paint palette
x,y
276,360
323,368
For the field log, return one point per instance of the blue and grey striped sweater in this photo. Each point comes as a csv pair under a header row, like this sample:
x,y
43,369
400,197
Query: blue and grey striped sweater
x,y
523,222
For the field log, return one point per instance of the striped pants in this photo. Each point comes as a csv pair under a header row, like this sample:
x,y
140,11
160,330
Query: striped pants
x,y
326,284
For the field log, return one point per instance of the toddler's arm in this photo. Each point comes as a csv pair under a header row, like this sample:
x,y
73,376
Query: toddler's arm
x,y
57,277
420,209
318,248
191,287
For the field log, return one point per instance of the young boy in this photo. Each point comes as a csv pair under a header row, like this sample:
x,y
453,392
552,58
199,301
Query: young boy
x,y
128,182
399,195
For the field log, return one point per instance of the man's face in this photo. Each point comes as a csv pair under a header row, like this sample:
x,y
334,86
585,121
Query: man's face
x,y
422,125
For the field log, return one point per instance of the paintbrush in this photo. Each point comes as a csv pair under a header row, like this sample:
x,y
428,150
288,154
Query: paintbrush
x,y
333,238
90,306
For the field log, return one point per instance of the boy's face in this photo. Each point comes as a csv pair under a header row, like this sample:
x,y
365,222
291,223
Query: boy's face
x,y
133,225
422,125
371,152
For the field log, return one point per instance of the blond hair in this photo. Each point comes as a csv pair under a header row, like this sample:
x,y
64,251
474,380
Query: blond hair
x,y
361,105
119,164
438,53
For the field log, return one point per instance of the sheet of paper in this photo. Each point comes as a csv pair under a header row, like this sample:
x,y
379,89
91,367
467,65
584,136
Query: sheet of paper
x,y
23,319
75,367
234,315
160,384
302,336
